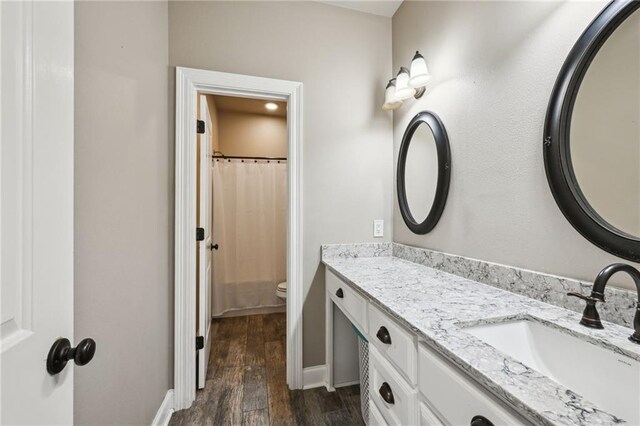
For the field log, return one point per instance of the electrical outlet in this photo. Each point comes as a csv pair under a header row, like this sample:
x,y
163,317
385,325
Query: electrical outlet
x,y
378,228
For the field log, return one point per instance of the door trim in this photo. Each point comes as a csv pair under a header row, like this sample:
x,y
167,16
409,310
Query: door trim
x,y
189,82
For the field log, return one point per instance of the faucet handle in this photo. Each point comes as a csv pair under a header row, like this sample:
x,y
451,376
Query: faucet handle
x,y
588,299
590,316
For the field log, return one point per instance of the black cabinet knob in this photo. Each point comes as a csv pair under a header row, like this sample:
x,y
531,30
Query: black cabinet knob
x,y
214,247
339,293
386,393
383,335
61,352
480,421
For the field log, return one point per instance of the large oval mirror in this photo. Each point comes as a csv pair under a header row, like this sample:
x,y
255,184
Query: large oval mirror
x,y
592,132
424,166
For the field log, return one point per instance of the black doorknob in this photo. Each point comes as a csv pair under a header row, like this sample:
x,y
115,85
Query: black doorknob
x,y
61,352
214,247
340,293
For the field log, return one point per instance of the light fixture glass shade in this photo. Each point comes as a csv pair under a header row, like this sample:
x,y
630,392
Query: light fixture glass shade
x,y
419,76
403,90
390,100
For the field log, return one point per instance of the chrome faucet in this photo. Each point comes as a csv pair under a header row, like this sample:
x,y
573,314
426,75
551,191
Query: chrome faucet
x,y
590,316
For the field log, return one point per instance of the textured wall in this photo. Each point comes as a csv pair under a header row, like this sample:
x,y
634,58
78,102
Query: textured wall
x,y
494,65
123,211
343,58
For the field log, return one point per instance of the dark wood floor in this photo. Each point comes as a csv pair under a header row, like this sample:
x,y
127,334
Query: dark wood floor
x,y
246,382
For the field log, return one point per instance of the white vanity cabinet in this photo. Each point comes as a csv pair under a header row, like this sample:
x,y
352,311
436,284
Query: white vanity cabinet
x,y
456,397
409,383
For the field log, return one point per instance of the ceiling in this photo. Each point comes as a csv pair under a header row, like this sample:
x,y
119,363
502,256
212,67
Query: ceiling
x,y
250,106
382,8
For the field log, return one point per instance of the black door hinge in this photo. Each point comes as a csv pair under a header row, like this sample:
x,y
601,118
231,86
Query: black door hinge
x,y
199,234
200,126
199,342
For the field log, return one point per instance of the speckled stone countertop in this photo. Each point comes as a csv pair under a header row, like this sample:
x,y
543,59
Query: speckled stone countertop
x,y
435,305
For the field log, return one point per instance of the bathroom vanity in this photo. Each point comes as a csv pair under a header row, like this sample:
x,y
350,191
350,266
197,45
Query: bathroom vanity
x,y
445,349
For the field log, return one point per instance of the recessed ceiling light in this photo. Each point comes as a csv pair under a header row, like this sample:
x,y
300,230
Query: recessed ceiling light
x,y
271,106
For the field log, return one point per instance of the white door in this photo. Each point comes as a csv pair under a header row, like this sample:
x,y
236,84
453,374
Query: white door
x,y
205,247
36,209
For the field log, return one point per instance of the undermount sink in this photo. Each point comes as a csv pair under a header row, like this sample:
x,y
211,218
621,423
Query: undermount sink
x,y
606,378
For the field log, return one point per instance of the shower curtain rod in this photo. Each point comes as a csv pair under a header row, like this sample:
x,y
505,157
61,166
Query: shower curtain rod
x,y
234,157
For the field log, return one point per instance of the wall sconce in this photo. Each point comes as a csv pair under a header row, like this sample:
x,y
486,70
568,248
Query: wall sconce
x,y
390,100
403,90
407,83
420,76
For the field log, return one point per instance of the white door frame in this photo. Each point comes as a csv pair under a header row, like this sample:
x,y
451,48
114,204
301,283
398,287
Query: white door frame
x,y
190,82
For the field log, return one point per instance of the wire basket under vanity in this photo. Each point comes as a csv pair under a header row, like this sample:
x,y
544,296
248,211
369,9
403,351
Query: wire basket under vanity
x,y
363,363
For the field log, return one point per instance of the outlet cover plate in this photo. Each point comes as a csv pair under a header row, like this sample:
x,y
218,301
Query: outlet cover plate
x,y
378,228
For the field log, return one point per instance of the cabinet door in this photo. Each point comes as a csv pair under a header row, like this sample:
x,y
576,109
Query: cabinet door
x,y
456,396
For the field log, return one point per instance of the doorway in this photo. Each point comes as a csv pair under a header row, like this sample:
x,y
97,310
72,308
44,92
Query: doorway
x,y
249,223
241,214
190,84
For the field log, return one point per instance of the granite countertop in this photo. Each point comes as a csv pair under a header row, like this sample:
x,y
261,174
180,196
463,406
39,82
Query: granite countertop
x,y
436,305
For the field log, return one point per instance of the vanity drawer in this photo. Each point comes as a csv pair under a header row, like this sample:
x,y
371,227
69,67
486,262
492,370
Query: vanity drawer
x,y
395,342
375,417
457,397
350,302
400,405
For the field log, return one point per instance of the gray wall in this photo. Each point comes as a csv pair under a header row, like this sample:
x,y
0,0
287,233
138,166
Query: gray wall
x,y
123,211
494,65
343,58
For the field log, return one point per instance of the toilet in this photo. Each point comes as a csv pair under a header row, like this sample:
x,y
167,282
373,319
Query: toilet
x,y
281,290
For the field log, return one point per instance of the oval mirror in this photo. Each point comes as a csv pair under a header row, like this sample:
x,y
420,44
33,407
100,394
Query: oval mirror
x,y
424,167
592,132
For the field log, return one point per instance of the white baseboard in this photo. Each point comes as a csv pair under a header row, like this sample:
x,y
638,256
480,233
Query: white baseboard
x,y
345,384
314,377
165,411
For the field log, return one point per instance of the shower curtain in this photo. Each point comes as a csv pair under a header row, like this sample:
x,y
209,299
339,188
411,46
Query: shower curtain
x,y
250,226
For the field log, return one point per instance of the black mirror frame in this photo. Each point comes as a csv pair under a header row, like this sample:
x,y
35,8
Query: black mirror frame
x,y
444,172
556,142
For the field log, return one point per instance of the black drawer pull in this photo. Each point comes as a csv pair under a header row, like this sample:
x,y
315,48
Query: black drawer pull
x,y
387,394
339,293
383,335
480,421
